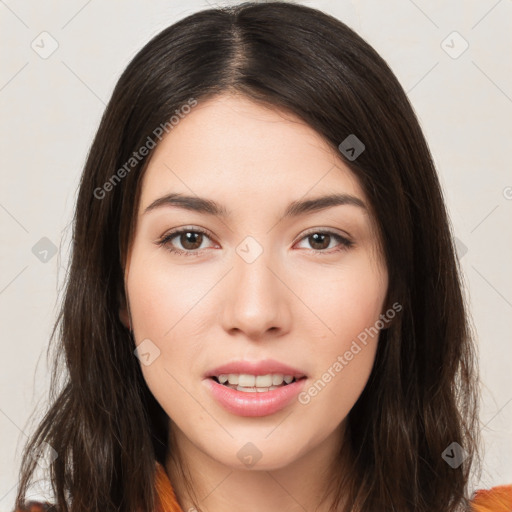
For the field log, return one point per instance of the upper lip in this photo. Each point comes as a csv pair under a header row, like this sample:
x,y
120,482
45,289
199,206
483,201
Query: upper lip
x,y
264,367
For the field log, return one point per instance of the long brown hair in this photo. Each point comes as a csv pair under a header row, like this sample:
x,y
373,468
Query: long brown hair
x,y
103,422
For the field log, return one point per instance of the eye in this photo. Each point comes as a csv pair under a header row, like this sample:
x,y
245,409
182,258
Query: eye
x,y
321,240
190,239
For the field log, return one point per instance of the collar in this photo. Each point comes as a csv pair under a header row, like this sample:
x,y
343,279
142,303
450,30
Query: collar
x,y
166,496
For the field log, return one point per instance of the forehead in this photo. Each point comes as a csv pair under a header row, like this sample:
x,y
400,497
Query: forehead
x,y
239,152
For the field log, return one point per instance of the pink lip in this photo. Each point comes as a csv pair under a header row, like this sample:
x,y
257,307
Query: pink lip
x,y
263,367
257,403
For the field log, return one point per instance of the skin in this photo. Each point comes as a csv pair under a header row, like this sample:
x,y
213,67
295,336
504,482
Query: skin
x,y
292,304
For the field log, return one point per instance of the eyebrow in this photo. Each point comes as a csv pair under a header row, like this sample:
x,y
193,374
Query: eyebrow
x,y
294,209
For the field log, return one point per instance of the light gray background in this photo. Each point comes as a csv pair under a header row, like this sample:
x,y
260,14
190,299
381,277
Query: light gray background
x,y
50,109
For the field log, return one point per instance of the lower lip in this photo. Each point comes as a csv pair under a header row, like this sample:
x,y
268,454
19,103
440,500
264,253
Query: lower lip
x,y
255,404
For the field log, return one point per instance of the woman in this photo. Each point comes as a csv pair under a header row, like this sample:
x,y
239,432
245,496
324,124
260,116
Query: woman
x,y
263,309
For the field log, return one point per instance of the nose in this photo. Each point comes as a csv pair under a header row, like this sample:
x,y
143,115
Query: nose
x,y
256,300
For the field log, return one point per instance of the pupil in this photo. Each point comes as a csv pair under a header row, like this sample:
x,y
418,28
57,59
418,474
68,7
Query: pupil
x,y
318,236
185,240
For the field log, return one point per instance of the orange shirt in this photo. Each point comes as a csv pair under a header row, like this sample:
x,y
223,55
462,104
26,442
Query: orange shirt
x,y
497,499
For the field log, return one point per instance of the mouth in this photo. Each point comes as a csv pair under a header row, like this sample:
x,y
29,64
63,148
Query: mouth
x,y
248,383
255,376
246,394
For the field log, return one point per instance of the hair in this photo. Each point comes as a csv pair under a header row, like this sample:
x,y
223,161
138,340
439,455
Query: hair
x,y
422,395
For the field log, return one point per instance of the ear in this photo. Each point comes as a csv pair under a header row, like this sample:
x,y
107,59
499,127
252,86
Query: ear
x,y
123,312
125,319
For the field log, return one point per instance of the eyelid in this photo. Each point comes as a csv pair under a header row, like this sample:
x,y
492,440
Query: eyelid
x,y
191,228
327,231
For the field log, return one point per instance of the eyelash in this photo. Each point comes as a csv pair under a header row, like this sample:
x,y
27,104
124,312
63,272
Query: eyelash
x,y
345,243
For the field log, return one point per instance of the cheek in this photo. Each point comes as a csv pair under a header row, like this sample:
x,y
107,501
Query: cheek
x,y
344,359
347,299
333,393
345,352
162,296
162,311
164,305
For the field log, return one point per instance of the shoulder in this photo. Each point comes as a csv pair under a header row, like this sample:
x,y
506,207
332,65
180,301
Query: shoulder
x,y
497,499
36,506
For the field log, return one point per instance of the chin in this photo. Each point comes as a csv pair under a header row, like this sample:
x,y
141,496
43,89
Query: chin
x,y
259,454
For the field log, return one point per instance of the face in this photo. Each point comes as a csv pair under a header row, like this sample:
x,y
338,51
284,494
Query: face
x,y
285,289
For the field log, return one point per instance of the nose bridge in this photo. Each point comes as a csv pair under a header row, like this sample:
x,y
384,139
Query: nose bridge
x,y
256,300
254,280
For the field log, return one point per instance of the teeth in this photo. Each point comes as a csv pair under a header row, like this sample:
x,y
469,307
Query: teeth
x,y
244,380
255,390
278,378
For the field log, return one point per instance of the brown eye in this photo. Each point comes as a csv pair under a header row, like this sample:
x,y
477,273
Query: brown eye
x,y
191,240
318,240
185,241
